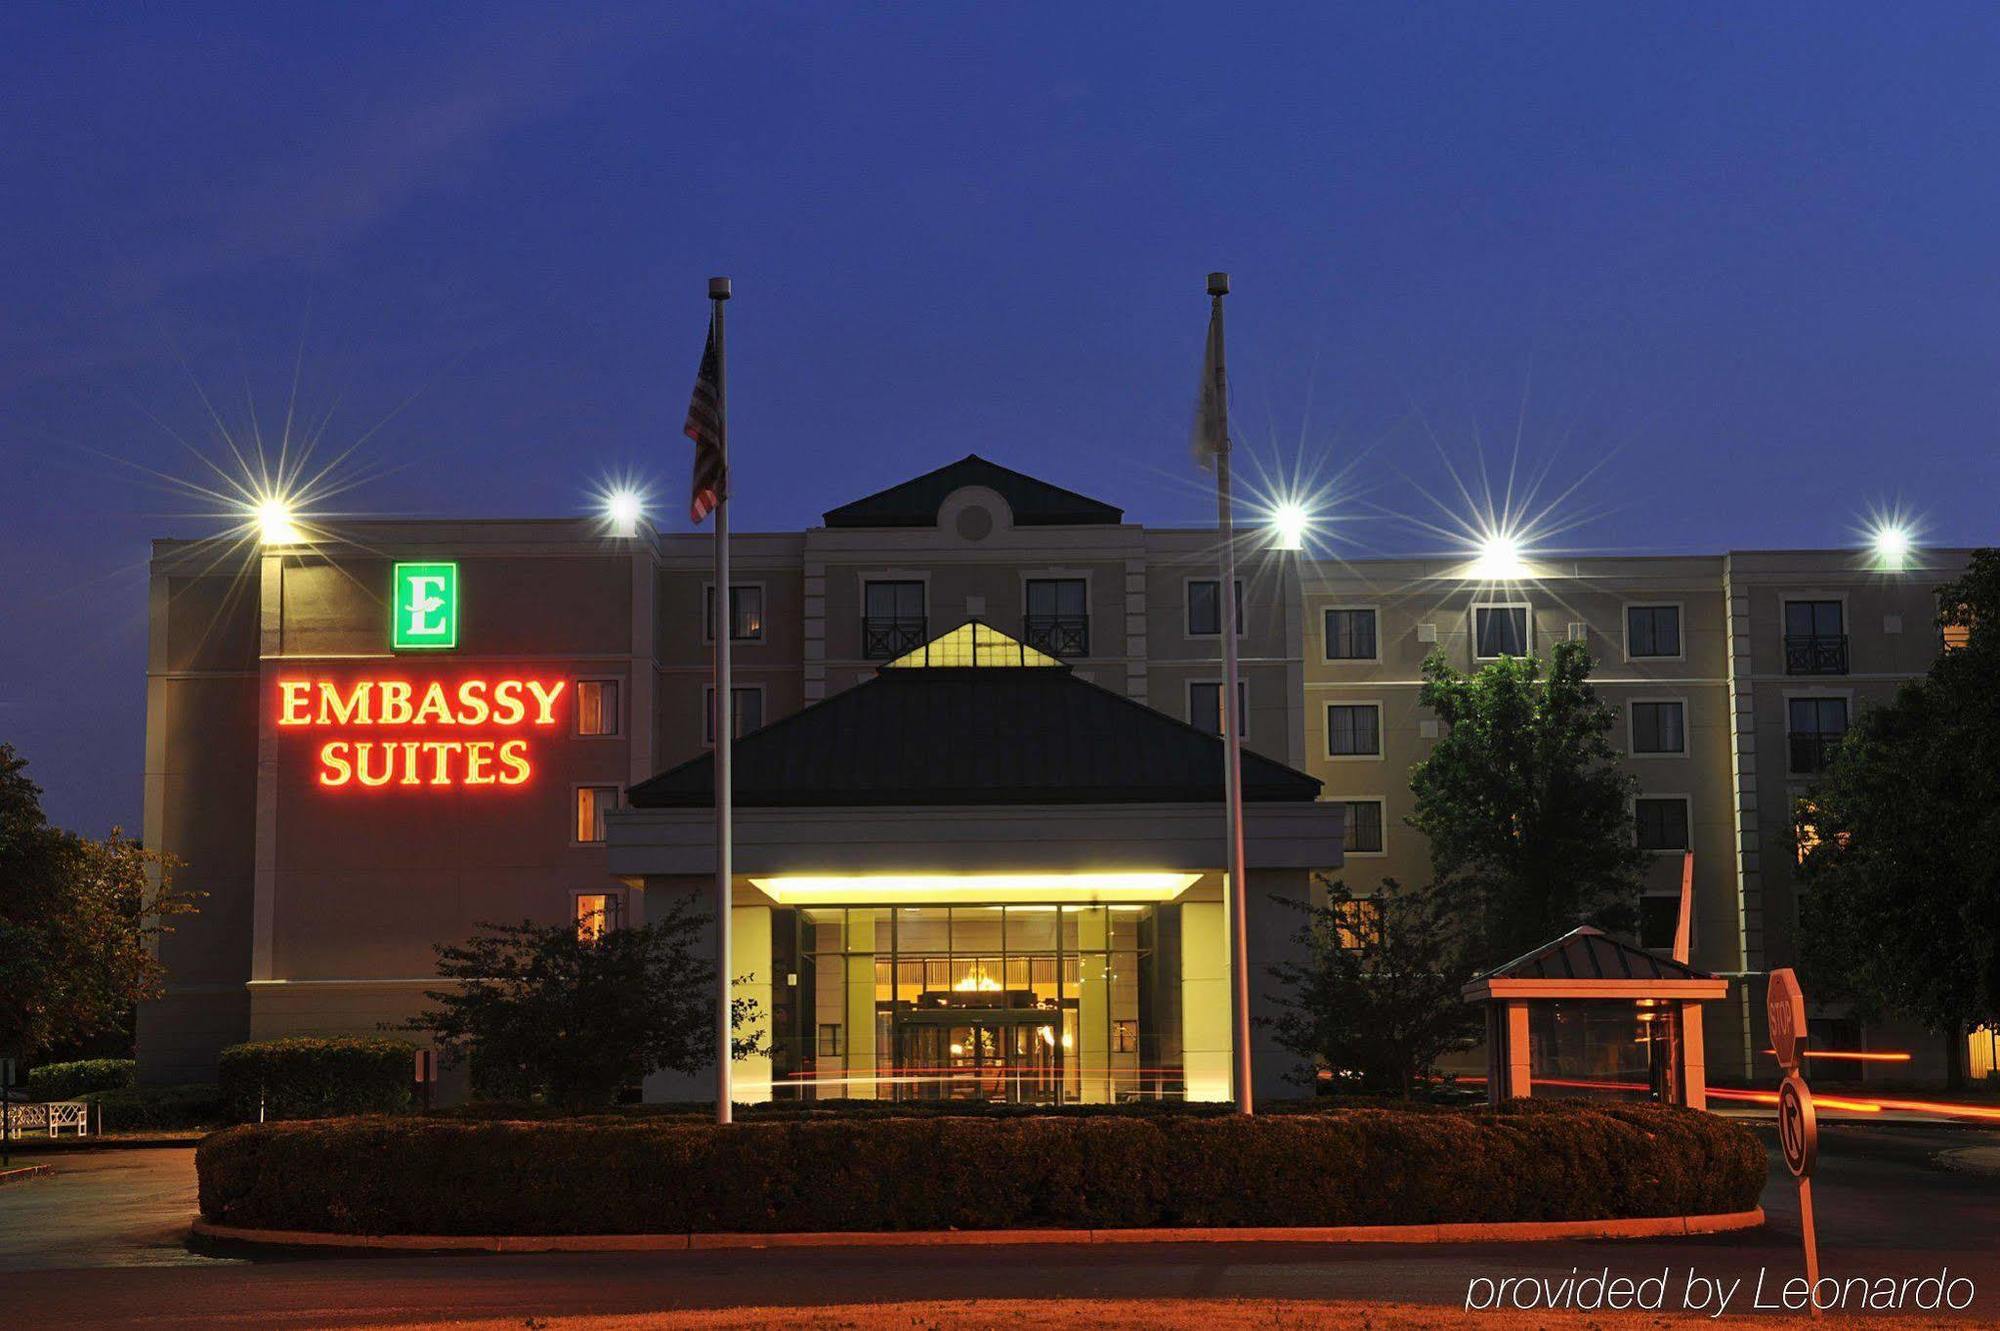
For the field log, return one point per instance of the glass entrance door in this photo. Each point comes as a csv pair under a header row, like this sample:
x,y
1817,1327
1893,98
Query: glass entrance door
x,y
1015,1061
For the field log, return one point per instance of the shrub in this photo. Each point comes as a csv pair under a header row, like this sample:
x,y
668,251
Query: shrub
x,y
313,1077
159,1108
613,1174
67,1081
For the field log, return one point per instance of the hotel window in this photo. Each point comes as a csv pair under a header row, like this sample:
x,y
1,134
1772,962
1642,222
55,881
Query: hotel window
x,y
1815,727
597,707
1058,616
598,913
1350,635
1354,730
1205,707
829,1039
1358,920
1364,827
1658,727
1652,630
1815,638
746,709
1659,921
892,619
1499,630
592,803
1662,822
1204,607
746,613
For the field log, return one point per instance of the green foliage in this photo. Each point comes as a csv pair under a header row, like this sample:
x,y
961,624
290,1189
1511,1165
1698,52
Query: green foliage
x,y
1538,1161
1524,805
542,1013
1375,991
159,1108
78,918
67,1081
312,1077
1899,907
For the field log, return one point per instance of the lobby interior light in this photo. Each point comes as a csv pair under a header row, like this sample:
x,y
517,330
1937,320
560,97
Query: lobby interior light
x,y
624,509
275,522
973,888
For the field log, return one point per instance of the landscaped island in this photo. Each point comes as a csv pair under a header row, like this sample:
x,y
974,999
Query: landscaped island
x,y
878,1171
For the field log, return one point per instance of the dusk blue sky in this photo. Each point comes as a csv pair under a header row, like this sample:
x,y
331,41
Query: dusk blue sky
x,y
1739,262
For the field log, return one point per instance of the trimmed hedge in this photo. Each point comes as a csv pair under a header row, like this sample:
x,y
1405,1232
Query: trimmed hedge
x,y
314,1077
1536,1161
159,1108
67,1081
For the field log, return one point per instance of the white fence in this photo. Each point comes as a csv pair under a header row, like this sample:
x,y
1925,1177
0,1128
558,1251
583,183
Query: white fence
x,y
51,1118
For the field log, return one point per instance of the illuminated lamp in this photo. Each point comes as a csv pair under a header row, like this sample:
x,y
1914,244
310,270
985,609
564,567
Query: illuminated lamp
x,y
1892,545
982,888
624,509
273,516
1499,559
1288,526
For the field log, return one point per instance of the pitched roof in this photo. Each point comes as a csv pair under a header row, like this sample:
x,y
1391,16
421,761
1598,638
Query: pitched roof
x,y
973,735
1585,953
915,502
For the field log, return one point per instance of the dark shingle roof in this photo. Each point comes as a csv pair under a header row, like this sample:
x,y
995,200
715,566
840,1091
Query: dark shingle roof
x,y
914,503
1585,953
988,735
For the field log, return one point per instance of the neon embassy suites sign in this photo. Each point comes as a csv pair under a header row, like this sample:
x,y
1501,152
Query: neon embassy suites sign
x,y
472,730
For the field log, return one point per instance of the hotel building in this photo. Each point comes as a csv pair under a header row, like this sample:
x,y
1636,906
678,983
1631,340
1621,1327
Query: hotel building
x,y
979,839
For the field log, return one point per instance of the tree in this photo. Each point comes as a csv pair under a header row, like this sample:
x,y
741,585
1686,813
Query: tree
x,y
1376,992
1899,902
1525,808
78,922
544,1011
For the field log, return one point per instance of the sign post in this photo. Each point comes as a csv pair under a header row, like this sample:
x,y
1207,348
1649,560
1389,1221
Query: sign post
x,y
6,1110
427,1074
1798,1125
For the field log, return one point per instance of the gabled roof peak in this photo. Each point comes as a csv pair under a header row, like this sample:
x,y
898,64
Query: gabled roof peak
x,y
974,644
915,502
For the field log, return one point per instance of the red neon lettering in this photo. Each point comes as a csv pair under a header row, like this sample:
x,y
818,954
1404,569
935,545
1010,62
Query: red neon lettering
x,y
545,700
334,767
293,694
514,757
507,706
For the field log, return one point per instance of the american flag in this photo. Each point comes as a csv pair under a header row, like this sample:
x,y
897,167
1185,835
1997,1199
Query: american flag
x,y
704,426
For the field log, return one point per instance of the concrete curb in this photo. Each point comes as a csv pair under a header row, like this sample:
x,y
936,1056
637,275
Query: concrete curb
x,y
1531,1231
22,1173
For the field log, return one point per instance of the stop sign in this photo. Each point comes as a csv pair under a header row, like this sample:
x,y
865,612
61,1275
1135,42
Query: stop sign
x,y
1785,1010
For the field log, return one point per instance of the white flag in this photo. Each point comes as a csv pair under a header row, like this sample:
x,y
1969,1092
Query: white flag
x,y
1210,435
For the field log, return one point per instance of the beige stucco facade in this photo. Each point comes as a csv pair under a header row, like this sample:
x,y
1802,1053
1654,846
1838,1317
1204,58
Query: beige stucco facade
x,y
320,912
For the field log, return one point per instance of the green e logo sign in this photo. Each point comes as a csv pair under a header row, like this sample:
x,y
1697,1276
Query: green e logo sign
x,y
424,607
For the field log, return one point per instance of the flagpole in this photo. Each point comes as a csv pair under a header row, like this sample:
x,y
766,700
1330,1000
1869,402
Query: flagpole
x,y
1232,769
725,718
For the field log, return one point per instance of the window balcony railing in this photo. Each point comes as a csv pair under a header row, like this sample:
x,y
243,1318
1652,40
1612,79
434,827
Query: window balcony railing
x,y
1816,654
1812,751
884,637
1058,635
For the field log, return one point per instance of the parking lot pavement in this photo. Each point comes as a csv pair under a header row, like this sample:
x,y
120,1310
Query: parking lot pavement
x,y
101,1208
